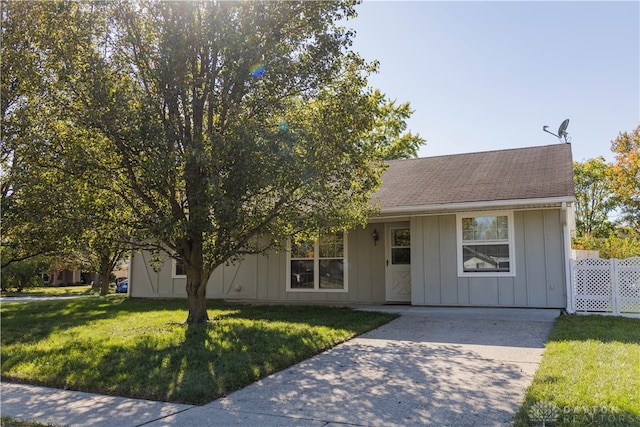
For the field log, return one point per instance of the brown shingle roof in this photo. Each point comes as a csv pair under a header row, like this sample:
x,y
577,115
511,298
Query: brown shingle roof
x,y
515,174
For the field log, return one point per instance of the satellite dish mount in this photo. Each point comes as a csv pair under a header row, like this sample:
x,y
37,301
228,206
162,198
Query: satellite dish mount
x,y
562,132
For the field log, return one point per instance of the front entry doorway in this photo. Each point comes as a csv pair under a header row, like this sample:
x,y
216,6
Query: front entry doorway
x,y
398,263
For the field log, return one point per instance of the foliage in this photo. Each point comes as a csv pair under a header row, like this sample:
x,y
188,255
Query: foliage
x,y
605,189
590,368
388,138
622,243
138,348
594,198
12,422
52,201
224,127
23,198
106,237
625,175
24,274
52,291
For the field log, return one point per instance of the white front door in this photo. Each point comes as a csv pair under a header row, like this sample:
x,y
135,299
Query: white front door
x,y
398,264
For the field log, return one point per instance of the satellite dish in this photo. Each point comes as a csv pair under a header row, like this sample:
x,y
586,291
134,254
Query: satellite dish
x,y
562,131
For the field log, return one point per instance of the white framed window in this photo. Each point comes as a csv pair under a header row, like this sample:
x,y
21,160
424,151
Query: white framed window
x,y
485,244
177,269
318,266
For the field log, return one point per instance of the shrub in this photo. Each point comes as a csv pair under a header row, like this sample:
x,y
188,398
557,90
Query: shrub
x,y
623,244
22,275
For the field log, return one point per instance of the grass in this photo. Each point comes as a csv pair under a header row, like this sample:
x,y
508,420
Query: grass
x,y
53,291
12,422
140,348
589,374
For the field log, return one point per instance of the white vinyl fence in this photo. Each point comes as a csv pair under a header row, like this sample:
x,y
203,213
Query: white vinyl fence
x,y
606,286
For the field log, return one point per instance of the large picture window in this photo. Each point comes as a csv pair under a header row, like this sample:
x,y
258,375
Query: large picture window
x,y
318,265
485,244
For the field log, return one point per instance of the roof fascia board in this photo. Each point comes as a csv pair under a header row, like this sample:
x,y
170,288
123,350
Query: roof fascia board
x,y
475,205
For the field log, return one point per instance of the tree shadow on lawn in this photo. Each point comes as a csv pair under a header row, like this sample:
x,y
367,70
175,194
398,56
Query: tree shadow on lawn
x,y
31,321
237,348
371,381
223,356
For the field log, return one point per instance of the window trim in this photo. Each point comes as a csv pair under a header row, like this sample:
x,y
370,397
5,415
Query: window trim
x,y
510,242
173,270
316,268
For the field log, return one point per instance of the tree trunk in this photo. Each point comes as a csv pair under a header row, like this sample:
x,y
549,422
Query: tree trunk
x,y
106,267
196,296
104,286
196,285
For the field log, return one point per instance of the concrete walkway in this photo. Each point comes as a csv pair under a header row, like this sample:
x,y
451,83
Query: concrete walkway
x,y
431,366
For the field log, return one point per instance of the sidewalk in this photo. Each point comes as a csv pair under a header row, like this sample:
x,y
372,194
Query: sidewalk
x,y
75,408
439,367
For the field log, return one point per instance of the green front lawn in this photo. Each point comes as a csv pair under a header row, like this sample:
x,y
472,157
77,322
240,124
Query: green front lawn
x,y
53,291
12,422
140,348
589,375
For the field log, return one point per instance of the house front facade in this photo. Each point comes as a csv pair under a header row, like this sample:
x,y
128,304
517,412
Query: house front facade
x,y
479,229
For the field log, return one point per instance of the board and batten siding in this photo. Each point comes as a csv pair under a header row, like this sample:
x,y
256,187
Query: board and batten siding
x,y
539,279
263,277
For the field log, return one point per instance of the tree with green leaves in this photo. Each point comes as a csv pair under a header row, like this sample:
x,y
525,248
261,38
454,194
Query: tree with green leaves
x,y
22,200
625,176
24,274
389,138
595,198
226,126
51,204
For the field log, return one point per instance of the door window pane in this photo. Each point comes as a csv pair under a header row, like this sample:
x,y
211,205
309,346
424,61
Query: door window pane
x,y
400,256
401,246
401,237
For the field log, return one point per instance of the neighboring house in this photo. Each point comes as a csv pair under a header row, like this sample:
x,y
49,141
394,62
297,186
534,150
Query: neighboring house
x,y
63,277
478,229
67,277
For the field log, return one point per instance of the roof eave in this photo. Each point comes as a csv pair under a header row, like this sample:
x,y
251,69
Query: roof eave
x,y
470,206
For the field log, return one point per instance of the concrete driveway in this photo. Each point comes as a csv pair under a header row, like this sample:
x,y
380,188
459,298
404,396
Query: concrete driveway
x,y
429,367
440,367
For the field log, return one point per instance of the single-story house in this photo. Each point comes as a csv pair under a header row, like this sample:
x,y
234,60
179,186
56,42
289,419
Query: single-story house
x,y
479,229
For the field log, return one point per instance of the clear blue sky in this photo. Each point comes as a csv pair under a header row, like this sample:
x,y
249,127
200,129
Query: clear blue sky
x,y
488,75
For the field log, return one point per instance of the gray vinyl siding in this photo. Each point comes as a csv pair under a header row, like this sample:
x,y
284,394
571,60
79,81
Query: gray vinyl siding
x,y
539,264
263,277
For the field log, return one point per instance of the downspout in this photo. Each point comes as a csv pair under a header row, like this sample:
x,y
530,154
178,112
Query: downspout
x,y
567,255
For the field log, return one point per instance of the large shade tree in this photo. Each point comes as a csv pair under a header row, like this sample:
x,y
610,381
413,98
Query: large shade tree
x,y
625,175
595,198
22,199
227,126
51,202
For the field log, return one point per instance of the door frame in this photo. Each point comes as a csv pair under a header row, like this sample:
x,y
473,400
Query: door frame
x,y
390,295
